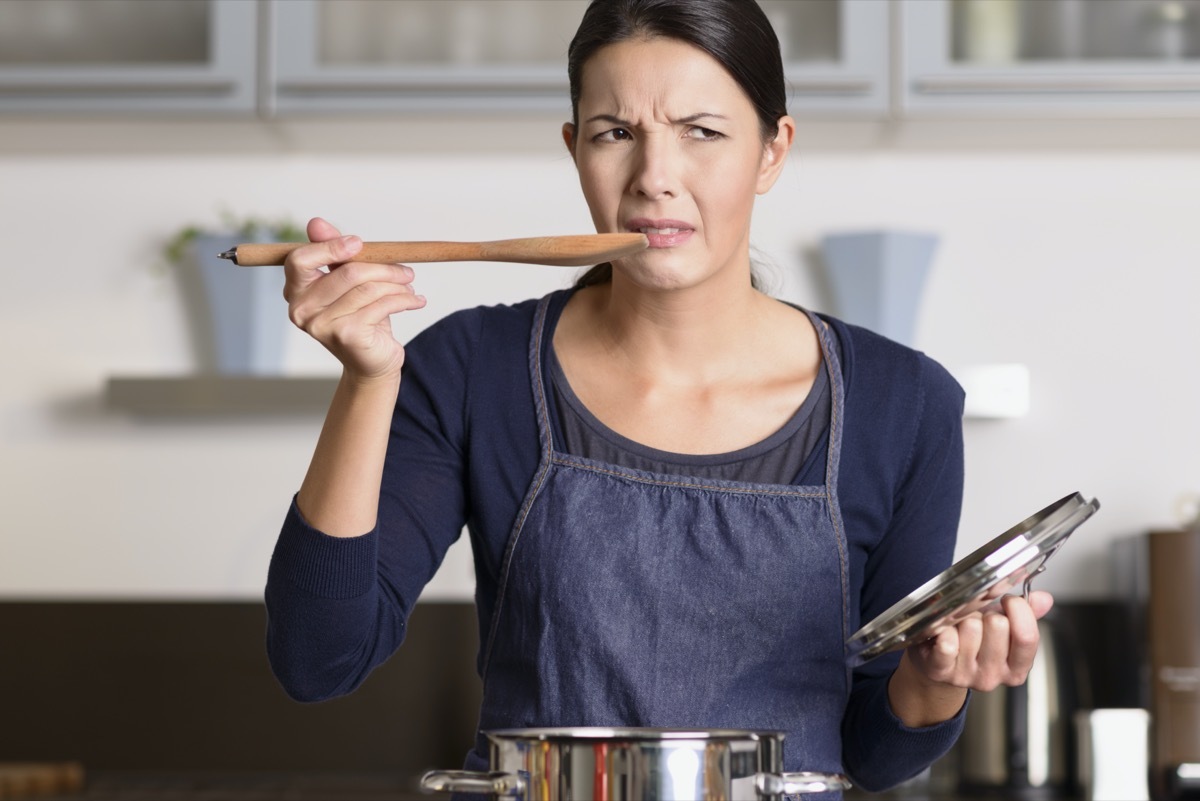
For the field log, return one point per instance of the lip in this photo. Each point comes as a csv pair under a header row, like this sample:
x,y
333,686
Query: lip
x,y
683,231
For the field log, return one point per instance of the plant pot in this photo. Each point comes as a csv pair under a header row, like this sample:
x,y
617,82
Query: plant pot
x,y
876,278
237,315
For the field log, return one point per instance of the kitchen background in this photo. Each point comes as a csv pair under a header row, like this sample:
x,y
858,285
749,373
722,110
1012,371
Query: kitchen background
x,y
1059,168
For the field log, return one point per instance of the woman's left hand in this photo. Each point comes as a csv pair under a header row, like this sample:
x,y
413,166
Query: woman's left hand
x,y
985,650
982,652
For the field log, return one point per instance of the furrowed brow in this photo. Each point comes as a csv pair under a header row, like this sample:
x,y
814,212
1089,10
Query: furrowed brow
x,y
688,120
700,116
609,118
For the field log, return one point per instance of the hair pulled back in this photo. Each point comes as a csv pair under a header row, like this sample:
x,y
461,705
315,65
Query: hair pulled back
x,y
734,32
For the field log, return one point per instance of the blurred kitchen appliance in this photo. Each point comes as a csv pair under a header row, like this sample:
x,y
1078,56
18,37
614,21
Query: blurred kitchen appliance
x,y
1160,573
1018,742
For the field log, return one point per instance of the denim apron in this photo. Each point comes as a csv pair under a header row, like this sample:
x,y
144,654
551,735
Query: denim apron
x,y
630,598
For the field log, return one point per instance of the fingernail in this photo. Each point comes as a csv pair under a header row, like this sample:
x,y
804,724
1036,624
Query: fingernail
x,y
351,241
407,270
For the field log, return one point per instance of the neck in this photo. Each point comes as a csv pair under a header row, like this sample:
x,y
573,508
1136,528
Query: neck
x,y
698,335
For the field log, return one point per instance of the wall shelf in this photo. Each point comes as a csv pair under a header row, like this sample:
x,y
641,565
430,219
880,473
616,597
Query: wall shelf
x,y
219,395
994,391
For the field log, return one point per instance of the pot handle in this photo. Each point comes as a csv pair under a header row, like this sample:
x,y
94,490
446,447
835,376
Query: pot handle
x,y
470,781
799,783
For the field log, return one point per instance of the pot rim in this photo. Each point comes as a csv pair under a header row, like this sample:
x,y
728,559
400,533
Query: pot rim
x,y
630,733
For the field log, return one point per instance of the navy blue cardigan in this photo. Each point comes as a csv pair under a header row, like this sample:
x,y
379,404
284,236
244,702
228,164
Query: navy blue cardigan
x,y
464,448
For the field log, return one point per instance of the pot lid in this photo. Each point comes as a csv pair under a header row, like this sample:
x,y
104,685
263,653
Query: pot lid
x,y
973,583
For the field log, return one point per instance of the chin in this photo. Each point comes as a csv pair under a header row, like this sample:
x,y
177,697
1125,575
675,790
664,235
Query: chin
x,y
657,277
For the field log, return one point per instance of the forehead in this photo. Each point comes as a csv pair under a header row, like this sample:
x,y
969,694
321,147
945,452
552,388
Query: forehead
x,y
661,73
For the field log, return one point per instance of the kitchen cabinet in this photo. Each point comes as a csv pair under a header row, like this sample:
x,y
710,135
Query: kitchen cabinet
x,y
316,57
128,55
361,55
1050,57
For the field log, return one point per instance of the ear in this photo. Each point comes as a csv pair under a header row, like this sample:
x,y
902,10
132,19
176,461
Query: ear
x,y
568,135
774,155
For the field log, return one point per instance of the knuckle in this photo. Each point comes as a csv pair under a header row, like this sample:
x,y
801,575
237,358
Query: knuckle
x,y
1026,638
365,293
350,273
297,315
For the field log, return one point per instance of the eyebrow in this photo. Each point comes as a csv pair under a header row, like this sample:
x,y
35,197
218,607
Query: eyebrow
x,y
681,121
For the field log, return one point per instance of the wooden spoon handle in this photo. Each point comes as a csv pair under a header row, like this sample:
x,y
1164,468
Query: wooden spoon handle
x,y
559,251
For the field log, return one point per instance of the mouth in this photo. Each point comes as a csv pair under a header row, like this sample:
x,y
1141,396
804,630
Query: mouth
x,y
661,233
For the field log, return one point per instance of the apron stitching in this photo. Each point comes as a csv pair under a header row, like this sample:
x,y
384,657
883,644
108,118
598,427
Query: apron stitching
x,y
538,481
687,484
833,463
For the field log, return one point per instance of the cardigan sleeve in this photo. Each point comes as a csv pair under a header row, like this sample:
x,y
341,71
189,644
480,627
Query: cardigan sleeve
x,y
338,607
879,751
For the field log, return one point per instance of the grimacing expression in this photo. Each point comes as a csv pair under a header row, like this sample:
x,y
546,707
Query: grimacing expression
x,y
670,145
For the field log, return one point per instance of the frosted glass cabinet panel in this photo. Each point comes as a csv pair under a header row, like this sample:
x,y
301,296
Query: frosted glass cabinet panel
x,y
104,32
511,54
125,55
1054,56
466,33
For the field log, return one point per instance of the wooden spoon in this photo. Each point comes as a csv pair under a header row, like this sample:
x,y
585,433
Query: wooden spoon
x,y
558,251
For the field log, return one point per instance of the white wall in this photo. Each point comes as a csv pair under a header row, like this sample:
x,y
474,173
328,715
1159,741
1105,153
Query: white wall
x,y
1080,262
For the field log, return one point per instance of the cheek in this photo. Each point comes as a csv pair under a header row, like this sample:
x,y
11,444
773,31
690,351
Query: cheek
x,y
601,187
728,200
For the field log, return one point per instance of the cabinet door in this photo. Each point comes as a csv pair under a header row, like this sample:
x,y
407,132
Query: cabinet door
x,y
835,54
128,55
1051,57
366,55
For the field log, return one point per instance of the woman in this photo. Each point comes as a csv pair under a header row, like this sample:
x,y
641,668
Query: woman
x,y
682,494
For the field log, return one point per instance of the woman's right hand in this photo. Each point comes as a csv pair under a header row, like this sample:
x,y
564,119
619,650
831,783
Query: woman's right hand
x,y
348,309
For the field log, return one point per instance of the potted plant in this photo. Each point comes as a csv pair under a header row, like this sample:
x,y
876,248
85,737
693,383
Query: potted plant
x,y
236,315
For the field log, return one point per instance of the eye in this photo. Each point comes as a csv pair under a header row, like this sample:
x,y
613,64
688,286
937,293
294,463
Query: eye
x,y
613,135
704,134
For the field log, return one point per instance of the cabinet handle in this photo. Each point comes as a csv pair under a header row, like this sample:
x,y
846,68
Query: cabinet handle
x,y
1053,84
801,85
427,84
114,86
850,85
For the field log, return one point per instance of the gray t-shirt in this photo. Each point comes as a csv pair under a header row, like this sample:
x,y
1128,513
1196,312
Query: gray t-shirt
x,y
775,460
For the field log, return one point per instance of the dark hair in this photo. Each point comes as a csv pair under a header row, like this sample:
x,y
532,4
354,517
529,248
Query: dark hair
x,y
734,32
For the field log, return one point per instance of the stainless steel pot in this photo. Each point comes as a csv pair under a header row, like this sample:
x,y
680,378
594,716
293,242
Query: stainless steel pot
x,y
634,764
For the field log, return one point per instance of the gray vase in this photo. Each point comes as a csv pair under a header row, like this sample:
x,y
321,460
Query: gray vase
x,y
238,316
876,278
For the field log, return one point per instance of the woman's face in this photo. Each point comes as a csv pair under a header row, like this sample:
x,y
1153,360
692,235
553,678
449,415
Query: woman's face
x,y
668,144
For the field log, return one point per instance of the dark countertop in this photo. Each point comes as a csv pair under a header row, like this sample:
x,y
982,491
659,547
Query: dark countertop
x,y
244,786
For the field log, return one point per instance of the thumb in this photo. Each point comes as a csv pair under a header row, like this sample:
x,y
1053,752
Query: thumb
x,y
321,230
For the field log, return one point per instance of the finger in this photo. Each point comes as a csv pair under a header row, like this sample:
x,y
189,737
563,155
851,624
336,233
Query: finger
x,y
1042,602
337,250
970,637
940,655
385,307
1023,636
351,274
303,265
991,661
359,327
356,284
360,296
348,276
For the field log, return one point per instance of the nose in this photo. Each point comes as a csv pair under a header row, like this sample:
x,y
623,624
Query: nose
x,y
656,169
